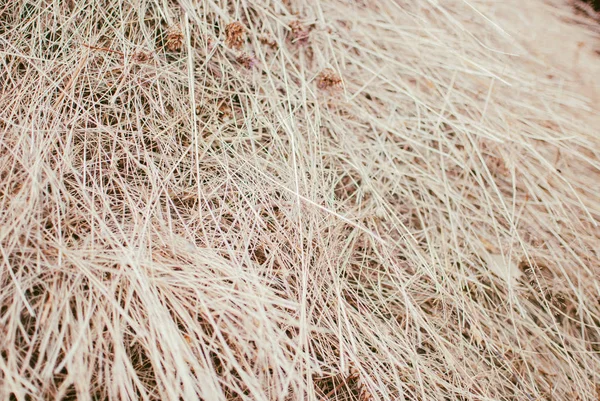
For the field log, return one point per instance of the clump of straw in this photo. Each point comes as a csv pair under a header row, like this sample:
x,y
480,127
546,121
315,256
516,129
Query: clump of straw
x,y
174,227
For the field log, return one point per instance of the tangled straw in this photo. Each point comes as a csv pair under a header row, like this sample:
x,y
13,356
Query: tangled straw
x,y
286,200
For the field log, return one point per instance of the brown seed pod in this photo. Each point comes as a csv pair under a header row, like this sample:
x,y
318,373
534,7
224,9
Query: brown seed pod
x,y
174,40
235,35
328,79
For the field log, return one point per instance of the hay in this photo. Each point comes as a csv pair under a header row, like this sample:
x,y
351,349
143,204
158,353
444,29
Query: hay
x,y
285,200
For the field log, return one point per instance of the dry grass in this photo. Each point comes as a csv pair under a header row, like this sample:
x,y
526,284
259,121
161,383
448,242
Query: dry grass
x,y
286,200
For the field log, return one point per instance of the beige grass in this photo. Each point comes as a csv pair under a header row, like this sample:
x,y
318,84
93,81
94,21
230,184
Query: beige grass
x,y
287,200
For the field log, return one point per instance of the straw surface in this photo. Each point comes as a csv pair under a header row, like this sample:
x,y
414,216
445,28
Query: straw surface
x,y
298,200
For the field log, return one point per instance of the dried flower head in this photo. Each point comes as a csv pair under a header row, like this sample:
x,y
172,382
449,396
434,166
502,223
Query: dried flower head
x,y
247,60
299,33
328,79
174,41
235,35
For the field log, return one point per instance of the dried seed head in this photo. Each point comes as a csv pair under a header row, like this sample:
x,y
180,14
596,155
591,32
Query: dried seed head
x,y
235,35
247,60
174,39
299,33
328,79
